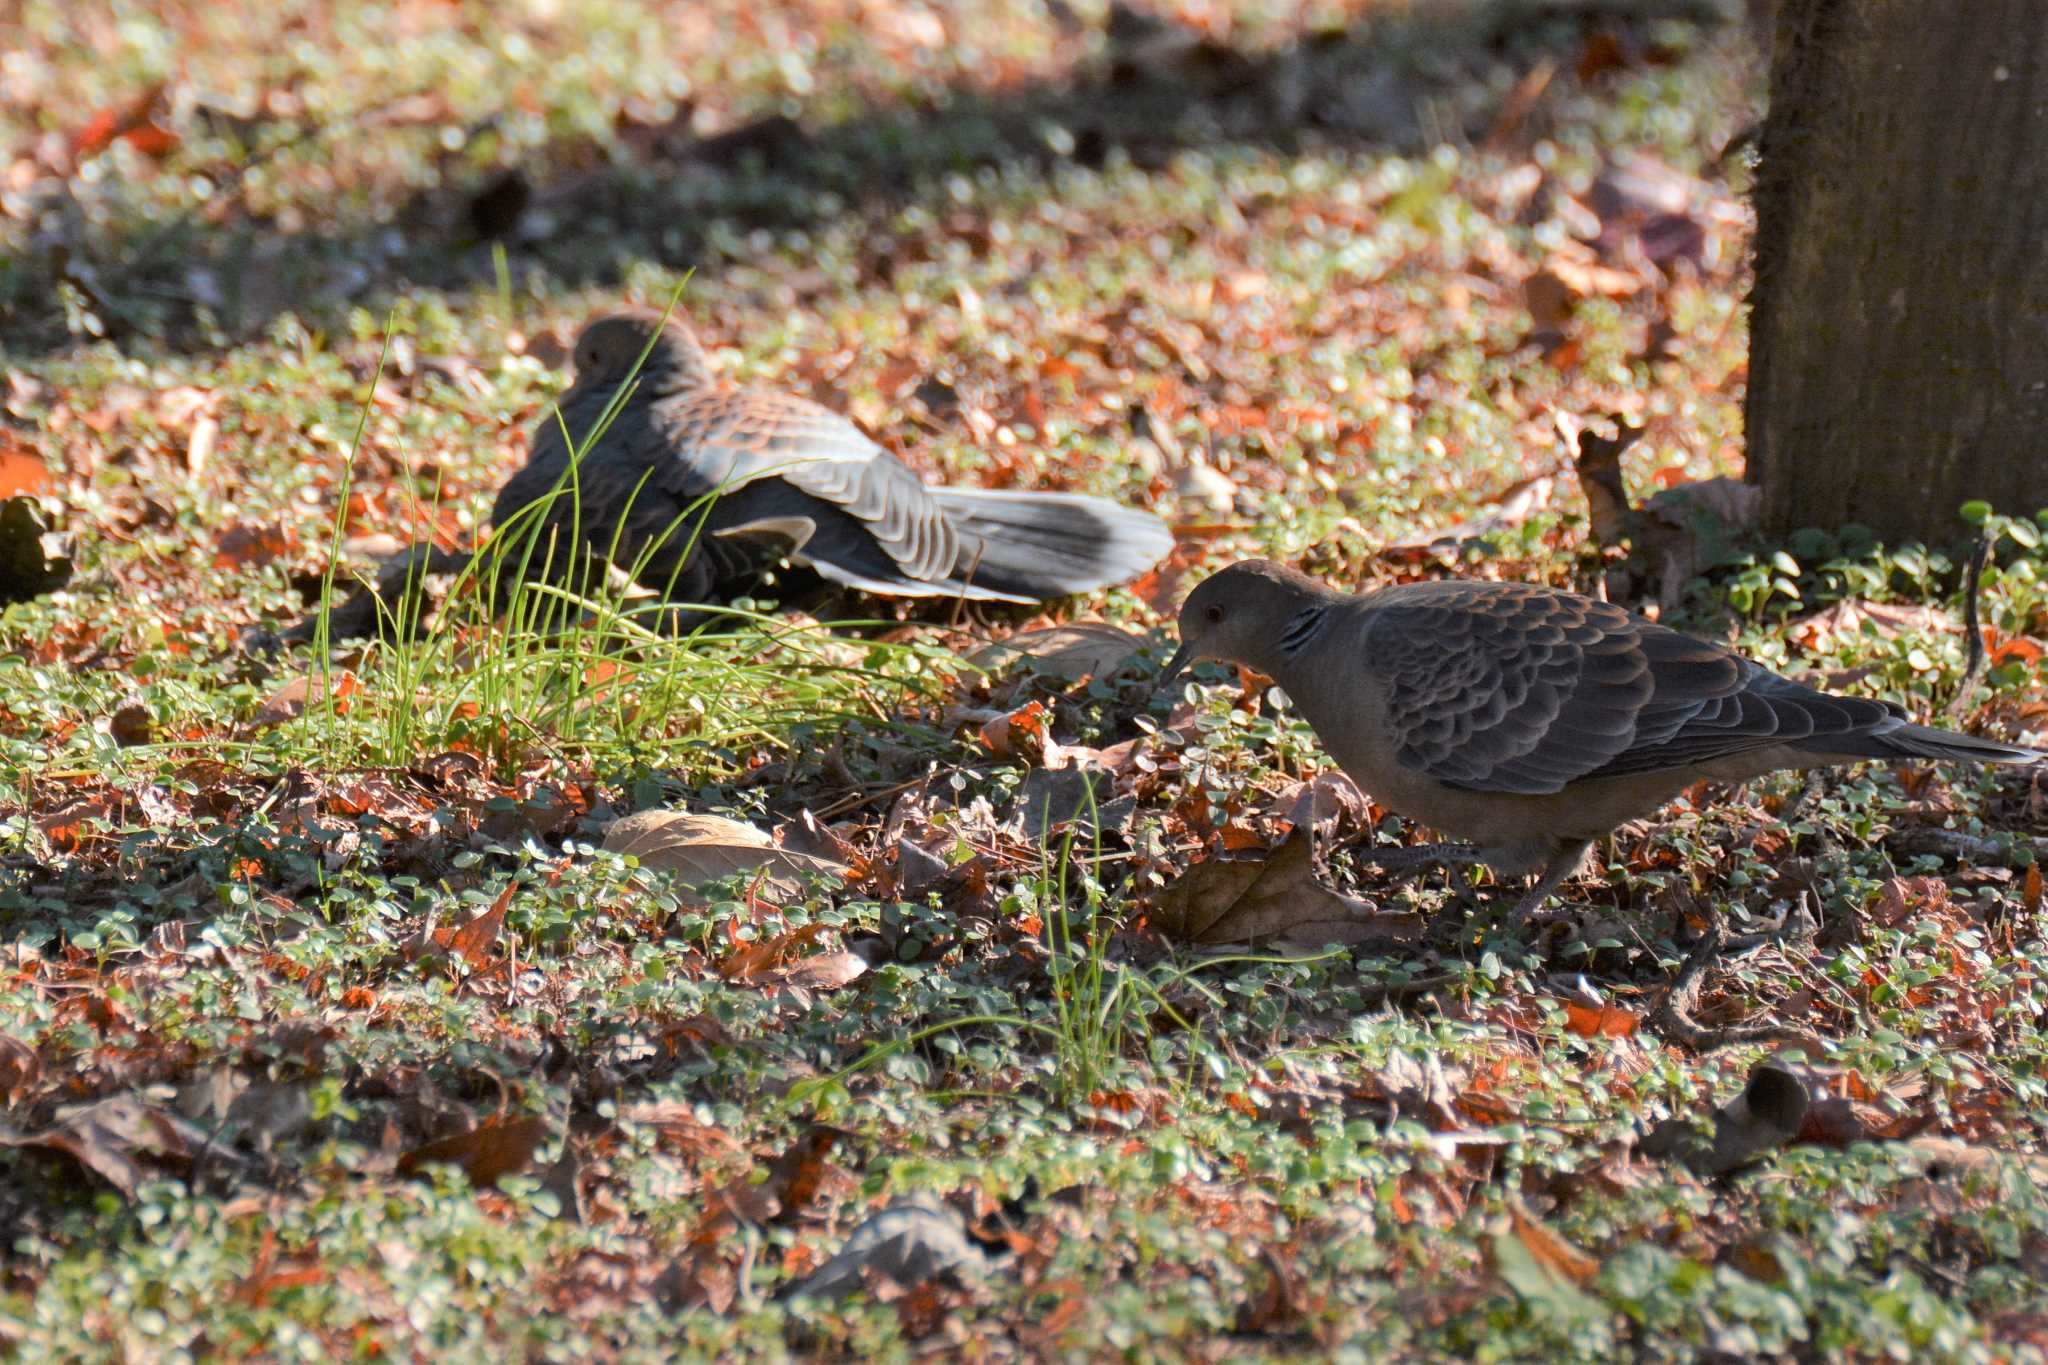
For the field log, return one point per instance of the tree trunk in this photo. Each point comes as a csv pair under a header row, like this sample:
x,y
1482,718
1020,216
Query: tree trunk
x,y
1899,329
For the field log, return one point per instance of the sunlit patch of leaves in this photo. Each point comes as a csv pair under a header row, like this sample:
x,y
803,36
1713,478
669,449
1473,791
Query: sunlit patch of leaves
x,y
332,1021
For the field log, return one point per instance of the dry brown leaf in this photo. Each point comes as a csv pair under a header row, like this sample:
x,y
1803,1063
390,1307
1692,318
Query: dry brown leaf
x,y
1024,734
22,470
700,848
1330,804
472,942
772,961
1077,650
20,1068
110,1137
1600,1021
486,1153
825,971
1272,895
1850,618
289,701
1542,1267
676,1125
1550,1248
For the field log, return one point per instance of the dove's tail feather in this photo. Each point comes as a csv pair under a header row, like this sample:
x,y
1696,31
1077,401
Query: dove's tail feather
x,y
1902,739
1037,545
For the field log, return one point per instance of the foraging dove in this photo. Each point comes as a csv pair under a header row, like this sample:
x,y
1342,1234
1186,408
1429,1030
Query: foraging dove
x,y
1527,720
794,479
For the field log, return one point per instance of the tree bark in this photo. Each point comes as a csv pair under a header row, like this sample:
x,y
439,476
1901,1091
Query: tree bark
x,y
1899,328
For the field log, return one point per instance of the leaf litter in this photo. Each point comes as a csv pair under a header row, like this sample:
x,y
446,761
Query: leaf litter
x,y
1274,366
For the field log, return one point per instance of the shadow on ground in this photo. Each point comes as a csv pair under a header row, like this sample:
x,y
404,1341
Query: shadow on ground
x,y
585,214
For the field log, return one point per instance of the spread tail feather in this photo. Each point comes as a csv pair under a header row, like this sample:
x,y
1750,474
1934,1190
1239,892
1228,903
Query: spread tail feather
x,y
1040,545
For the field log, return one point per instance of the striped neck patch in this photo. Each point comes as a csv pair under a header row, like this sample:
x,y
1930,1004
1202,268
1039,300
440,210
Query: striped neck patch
x,y
1301,628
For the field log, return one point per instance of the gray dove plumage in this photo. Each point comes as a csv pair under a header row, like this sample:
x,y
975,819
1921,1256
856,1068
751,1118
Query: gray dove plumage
x,y
794,480
1526,720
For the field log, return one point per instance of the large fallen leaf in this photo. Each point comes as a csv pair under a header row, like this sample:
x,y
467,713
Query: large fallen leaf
x,y
1272,895
486,1153
1329,803
825,971
111,1138
701,848
1077,650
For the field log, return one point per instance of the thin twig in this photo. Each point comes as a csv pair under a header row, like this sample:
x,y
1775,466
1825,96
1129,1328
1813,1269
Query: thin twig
x,y
1673,1019
1973,585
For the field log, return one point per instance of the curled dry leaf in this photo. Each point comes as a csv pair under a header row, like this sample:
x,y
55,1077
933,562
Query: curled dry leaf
x,y
1272,895
1330,804
1077,650
22,469
701,848
486,1153
1600,1021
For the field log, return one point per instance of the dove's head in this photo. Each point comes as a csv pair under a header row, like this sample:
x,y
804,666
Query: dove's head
x,y
1241,615
611,346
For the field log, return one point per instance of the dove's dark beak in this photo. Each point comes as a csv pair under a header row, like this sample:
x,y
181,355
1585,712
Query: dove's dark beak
x,y
1175,666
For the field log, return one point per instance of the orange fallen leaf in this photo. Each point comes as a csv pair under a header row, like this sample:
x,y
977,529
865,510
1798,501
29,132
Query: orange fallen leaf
x,y
486,1153
1551,1249
472,942
1021,734
1600,1021
21,469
